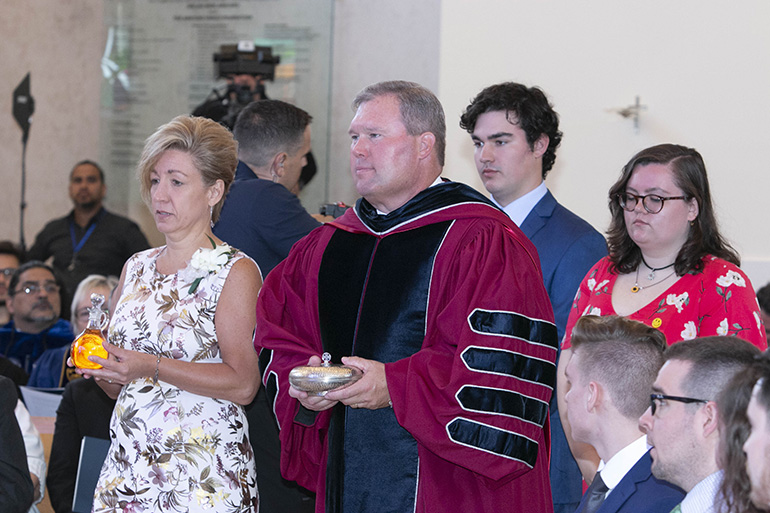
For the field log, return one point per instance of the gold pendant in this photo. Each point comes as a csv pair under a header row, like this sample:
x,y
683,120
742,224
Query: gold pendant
x,y
635,288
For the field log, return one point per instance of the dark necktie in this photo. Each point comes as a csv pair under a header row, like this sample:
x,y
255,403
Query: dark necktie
x,y
595,494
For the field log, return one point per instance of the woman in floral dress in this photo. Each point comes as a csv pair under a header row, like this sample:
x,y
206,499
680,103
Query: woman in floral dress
x,y
181,359
668,265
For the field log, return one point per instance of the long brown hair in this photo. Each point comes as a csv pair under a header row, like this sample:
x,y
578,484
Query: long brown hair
x,y
734,429
689,171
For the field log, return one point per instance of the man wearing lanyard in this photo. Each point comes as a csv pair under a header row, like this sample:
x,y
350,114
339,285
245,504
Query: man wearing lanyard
x,y
89,240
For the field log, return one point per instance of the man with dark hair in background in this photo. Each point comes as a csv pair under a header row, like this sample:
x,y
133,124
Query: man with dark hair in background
x,y
516,133
682,422
604,402
90,239
262,218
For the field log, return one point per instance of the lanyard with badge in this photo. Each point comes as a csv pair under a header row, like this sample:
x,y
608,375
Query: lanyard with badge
x,y
78,245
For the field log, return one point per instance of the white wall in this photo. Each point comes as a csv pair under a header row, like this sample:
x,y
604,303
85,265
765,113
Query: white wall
x,y
375,41
702,67
60,44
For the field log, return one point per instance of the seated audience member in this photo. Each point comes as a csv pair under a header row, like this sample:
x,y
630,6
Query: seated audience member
x,y
734,429
668,265
85,410
35,305
604,401
16,488
757,446
682,422
763,298
35,453
51,370
10,260
90,239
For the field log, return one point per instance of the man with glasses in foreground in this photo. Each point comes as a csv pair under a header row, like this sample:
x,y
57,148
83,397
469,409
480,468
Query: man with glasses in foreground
x,y
682,422
34,302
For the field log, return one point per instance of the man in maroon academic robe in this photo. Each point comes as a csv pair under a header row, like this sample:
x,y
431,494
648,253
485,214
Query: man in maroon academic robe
x,y
439,299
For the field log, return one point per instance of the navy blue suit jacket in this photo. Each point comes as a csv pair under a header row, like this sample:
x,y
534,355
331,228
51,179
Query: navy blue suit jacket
x,y
640,492
262,219
568,247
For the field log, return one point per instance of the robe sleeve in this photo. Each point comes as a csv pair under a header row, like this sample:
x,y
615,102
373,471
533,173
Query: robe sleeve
x,y
477,393
286,337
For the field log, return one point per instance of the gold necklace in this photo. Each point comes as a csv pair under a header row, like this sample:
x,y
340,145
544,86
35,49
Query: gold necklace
x,y
636,288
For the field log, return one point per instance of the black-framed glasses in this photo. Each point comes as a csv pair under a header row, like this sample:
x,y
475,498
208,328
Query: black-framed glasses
x,y
652,203
661,397
34,288
8,271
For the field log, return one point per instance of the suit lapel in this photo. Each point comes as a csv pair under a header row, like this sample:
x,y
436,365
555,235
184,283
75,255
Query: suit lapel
x,y
539,215
627,486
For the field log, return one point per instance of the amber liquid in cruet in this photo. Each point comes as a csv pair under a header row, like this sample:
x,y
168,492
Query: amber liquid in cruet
x,y
90,341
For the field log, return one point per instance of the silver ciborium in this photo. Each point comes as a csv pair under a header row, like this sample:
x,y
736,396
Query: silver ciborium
x,y
317,380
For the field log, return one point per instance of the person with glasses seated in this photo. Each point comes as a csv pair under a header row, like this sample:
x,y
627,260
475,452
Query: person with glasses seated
x,y
682,422
668,265
34,304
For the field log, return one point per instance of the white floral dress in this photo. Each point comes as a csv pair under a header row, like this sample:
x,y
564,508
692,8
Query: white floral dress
x,y
173,450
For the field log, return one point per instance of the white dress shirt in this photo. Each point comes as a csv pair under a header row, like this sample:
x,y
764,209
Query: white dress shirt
x,y
519,209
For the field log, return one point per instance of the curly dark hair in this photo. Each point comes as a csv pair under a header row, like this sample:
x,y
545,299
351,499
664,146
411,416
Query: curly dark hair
x,y
525,106
734,429
689,172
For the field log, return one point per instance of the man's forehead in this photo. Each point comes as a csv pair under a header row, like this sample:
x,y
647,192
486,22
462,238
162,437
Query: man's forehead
x,y
378,110
84,170
670,377
8,261
36,274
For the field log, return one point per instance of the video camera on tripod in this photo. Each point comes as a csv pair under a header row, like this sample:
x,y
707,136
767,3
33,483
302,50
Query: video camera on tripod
x,y
246,67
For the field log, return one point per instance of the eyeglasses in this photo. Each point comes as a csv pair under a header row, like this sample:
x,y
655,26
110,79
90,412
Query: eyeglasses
x,y
34,288
8,271
661,397
652,203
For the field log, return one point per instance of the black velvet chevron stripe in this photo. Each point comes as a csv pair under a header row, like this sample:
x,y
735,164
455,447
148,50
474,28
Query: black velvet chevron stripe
x,y
511,364
494,440
503,402
511,324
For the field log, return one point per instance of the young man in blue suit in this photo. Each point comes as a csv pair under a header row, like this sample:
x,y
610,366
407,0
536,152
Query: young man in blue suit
x,y
516,133
604,401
